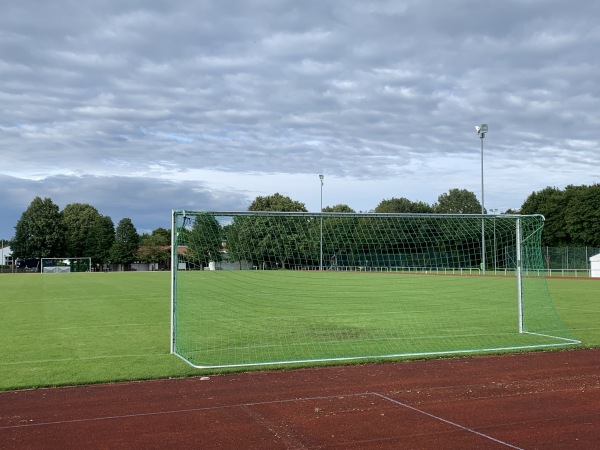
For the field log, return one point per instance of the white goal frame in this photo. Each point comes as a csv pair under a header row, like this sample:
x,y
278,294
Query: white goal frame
x,y
63,264
522,242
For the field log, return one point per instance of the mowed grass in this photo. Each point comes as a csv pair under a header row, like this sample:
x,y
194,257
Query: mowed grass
x,y
250,317
89,328
578,304
85,328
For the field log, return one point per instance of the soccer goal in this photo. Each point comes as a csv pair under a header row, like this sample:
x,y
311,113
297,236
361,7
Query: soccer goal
x,y
66,265
267,288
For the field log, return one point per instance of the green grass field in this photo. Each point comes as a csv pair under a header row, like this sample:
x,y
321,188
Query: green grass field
x,y
248,317
89,328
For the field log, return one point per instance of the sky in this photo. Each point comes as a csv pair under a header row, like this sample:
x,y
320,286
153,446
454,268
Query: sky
x,y
139,107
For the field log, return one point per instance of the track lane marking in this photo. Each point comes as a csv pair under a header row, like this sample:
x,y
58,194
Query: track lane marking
x,y
454,424
247,405
183,411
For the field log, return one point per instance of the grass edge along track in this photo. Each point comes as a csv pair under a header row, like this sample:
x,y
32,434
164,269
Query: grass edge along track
x,y
103,327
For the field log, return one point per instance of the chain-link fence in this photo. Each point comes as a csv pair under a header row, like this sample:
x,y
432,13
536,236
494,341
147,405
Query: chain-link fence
x,y
569,261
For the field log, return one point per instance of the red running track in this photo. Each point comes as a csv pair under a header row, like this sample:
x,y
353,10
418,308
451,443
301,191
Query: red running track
x,y
545,400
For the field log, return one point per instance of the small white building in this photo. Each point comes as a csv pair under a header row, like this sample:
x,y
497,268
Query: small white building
x,y
595,266
5,256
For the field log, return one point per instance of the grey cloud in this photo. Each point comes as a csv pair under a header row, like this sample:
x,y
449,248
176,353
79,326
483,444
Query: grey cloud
x,y
146,201
360,89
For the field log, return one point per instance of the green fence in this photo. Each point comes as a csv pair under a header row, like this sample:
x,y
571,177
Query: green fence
x,y
568,261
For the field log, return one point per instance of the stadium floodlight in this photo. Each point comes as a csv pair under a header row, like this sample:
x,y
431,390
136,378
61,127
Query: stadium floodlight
x,y
481,131
321,177
394,292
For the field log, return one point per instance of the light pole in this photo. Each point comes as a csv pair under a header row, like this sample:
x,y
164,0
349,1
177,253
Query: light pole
x,y
495,212
321,177
481,131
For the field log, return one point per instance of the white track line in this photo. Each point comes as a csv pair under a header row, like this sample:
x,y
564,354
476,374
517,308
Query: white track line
x,y
470,430
246,405
182,411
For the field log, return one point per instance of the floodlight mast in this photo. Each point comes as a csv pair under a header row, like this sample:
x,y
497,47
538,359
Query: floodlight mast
x,y
321,177
481,131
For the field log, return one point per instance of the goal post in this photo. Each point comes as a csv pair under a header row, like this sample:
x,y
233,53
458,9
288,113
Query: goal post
x,y
66,265
273,288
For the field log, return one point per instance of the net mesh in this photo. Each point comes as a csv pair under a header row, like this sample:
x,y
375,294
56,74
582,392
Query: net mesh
x,y
278,288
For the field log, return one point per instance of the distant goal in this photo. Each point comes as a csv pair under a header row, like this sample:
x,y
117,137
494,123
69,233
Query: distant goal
x,y
66,265
266,288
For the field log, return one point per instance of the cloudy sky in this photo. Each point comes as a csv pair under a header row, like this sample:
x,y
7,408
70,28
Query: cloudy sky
x,y
138,107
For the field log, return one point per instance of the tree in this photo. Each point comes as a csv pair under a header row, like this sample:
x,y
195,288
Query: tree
x,y
155,247
266,238
457,201
38,233
163,235
552,204
402,205
339,208
338,235
78,220
126,245
572,215
276,202
101,240
205,239
582,216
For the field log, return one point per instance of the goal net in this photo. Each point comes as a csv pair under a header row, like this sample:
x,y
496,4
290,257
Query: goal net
x,y
66,265
266,288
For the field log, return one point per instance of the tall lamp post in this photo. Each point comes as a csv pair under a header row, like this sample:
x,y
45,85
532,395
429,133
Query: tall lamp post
x,y
321,177
495,212
481,131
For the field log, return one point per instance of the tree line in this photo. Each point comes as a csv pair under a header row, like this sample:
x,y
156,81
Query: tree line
x,y
44,231
572,214
341,241
79,230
